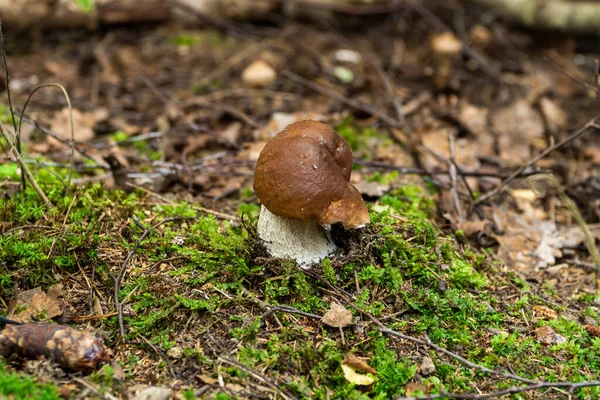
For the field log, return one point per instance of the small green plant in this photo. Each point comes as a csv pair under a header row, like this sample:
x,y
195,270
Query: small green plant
x,y
85,5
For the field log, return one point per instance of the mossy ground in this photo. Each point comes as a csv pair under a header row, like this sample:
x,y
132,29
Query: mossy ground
x,y
195,292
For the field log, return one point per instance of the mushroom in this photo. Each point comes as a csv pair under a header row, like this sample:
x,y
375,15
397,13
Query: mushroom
x,y
302,180
445,47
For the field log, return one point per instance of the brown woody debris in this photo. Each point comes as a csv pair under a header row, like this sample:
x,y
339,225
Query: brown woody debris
x,y
356,363
71,348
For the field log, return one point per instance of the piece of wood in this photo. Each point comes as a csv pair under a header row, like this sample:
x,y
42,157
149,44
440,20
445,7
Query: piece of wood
x,y
563,15
49,14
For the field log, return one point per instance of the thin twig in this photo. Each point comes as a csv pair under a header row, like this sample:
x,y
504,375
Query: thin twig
x,y
133,139
117,279
570,386
349,8
24,167
69,143
418,171
485,64
84,318
590,124
289,310
198,208
10,105
387,84
358,105
574,78
169,100
162,354
64,91
532,384
267,381
454,181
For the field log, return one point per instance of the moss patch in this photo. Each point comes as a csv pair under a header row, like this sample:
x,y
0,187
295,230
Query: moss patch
x,y
198,289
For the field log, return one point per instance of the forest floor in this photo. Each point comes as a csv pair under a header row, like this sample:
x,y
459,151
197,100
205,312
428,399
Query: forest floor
x,y
471,281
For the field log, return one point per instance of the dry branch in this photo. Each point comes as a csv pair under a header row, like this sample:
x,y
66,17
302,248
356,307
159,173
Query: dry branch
x,y
564,15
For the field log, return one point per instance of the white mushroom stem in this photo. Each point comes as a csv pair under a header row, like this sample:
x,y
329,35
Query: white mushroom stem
x,y
305,242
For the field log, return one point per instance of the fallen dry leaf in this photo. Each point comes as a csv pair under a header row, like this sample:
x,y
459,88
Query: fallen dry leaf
x,y
528,245
354,377
231,134
592,152
358,364
546,335
544,312
207,379
337,316
414,388
252,150
518,126
469,228
372,189
82,125
474,118
555,117
36,304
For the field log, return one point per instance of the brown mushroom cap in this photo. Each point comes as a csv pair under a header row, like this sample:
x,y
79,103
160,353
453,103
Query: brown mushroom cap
x,y
303,173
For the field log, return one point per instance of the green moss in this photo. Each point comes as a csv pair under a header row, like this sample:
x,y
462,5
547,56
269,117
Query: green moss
x,y
385,178
197,272
15,386
359,138
212,39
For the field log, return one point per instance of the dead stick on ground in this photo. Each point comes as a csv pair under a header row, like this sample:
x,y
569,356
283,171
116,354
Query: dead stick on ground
x,y
259,377
168,100
387,84
117,279
454,181
590,124
69,143
418,171
485,64
426,342
217,214
64,91
384,329
358,105
534,384
161,354
234,61
7,83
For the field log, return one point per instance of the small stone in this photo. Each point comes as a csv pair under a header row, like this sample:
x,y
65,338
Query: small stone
x,y
546,335
427,366
175,352
153,393
346,55
259,74
442,286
